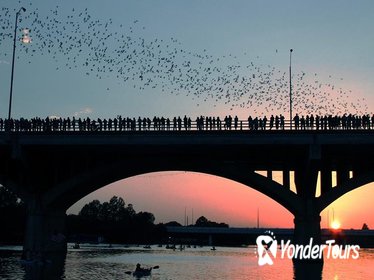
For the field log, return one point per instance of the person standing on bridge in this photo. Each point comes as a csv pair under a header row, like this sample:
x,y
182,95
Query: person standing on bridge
x,y
281,121
296,120
264,121
250,123
277,122
219,123
236,120
271,123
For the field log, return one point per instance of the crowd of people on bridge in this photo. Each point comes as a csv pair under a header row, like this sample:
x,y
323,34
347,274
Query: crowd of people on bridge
x,y
308,122
334,122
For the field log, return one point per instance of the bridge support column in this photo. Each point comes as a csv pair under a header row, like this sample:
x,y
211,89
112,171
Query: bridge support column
x,y
307,219
306,227
326,180
286,179
45,231
342,175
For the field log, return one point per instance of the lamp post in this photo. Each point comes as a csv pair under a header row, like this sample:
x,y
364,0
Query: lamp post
x,y
14,54
291,50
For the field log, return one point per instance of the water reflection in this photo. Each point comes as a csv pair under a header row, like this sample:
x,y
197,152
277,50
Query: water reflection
x,y
51,267
8,259
102,263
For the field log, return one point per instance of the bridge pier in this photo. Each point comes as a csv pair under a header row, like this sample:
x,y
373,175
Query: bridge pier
x,y
45,231
307,227
307,219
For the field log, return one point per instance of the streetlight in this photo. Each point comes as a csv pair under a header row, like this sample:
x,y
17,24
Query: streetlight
x,y
14,54
291,50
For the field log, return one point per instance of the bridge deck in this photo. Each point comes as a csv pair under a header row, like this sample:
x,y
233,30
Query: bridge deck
x,y
212,137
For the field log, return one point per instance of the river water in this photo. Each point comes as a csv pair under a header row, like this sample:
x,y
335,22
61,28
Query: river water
x,y
101,262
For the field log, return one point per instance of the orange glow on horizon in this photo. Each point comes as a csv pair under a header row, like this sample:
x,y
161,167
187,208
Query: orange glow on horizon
x,y
335,224
168,194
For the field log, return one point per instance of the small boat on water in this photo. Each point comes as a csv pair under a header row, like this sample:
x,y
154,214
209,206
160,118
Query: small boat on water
x,y
141,272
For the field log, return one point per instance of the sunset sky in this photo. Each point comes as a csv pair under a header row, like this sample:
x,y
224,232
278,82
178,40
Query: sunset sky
x,y
168,194
333,52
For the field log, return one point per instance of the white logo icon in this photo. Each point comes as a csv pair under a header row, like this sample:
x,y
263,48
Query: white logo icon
x,y
266,248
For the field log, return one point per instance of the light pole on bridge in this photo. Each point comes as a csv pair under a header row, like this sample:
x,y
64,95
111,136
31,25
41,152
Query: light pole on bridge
x,y
291,50
14,54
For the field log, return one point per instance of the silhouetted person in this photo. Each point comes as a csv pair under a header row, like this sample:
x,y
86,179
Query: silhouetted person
x,y
179,121
264,121
281,121
302,122
296,120
277,122
219,123
236,122
271,123
139,268
311,119
250,123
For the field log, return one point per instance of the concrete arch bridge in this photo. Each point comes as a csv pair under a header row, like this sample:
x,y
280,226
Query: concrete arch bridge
x,y
50,171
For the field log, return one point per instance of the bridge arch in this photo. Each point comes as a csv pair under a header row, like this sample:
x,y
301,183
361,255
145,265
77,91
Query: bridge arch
x,y
66,194
344,188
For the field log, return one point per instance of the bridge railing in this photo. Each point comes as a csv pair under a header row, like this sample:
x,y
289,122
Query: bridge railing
x,y
181,124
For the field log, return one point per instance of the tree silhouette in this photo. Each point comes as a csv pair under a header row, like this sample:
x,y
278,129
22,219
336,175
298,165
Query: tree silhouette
x,y
115,221
91,210
12,216
365,227
204,222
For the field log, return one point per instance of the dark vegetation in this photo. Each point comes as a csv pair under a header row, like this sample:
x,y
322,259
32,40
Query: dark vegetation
x,y
12,217
365,227
204,222
112,222
115,222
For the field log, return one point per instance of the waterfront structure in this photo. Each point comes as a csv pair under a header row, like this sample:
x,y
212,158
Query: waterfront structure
x,y
50,171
